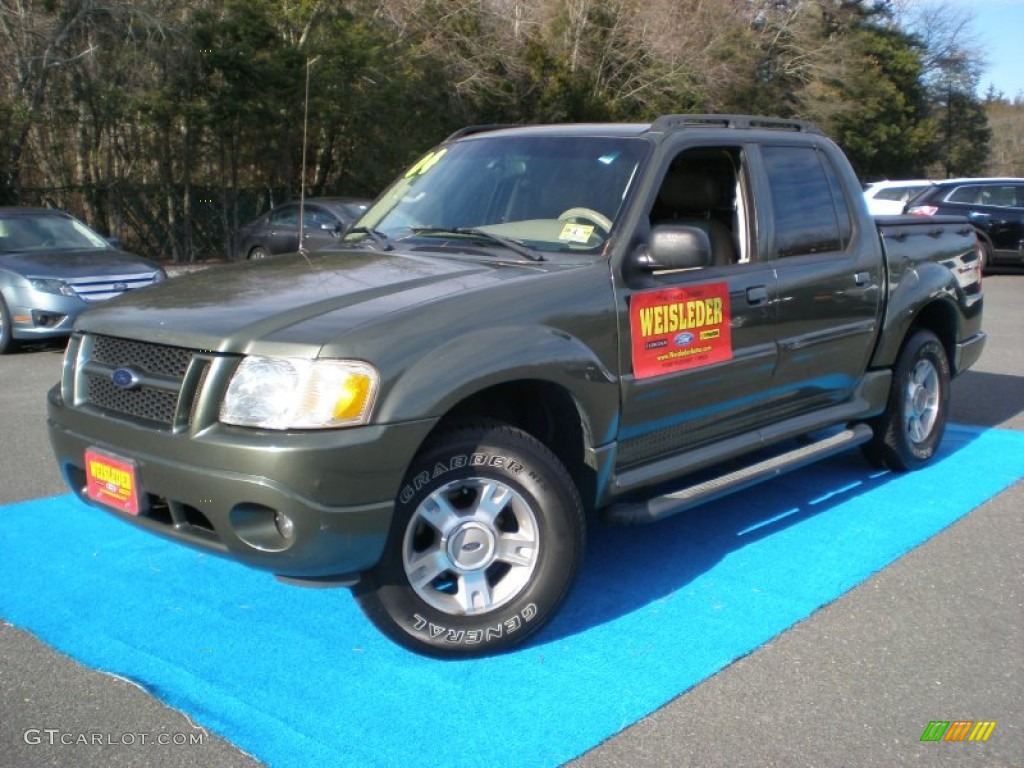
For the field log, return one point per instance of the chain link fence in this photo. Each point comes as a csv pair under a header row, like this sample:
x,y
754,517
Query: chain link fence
x,y
169,224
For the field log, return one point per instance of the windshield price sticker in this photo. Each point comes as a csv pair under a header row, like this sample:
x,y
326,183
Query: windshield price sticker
x,y
111,481
576,233
675,329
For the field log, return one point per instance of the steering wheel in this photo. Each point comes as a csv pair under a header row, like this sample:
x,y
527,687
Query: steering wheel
x,y
588,214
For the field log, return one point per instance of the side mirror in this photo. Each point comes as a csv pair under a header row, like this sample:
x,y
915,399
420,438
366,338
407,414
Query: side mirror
x,y
675,246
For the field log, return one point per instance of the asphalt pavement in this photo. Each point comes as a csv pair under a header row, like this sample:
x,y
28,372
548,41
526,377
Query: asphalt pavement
x,y
937,635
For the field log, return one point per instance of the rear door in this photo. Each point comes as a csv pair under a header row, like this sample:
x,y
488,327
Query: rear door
x,y
829,274
283,230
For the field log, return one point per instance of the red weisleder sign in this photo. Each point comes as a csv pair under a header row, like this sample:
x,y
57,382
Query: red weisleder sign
x,y
111,481
679,328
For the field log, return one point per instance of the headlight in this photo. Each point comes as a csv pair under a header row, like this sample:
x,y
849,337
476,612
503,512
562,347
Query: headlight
x,y
296,393
53,286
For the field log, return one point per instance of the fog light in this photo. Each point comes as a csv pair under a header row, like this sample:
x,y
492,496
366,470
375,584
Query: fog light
x,y
284,524
46,319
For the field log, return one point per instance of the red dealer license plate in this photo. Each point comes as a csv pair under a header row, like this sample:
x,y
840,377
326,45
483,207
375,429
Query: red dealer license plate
x,y
111,481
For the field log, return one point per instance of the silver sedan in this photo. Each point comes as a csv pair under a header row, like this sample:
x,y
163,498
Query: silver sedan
x,y
52,268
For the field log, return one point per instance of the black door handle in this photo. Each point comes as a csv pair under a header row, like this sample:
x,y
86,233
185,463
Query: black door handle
x,y
757,294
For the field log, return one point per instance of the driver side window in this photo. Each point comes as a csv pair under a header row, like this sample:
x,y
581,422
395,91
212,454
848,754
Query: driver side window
x,y
702,188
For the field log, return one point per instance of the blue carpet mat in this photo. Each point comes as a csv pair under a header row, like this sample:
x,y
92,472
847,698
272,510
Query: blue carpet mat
x,y
298,677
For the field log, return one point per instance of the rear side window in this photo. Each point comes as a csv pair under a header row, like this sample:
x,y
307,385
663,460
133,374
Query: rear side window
x,y
811,212
998,195
288,216
963,195
1004,196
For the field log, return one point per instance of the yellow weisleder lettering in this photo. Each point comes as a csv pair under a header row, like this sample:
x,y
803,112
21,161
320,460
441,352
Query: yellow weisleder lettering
x,y
107,474
681,316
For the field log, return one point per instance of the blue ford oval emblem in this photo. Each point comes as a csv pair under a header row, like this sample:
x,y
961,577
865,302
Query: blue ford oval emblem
x,y
684,339
124,378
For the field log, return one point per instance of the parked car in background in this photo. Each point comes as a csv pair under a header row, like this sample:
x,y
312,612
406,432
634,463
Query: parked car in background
x,y
995,207
325,220
52,267
887,198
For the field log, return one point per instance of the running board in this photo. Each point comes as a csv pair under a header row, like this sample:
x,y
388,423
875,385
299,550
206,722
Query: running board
x,y
658,507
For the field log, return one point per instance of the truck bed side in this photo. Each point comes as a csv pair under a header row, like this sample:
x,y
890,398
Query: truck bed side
x,y
933,280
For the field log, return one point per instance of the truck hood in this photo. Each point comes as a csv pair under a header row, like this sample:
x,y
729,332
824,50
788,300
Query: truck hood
x,y
286,305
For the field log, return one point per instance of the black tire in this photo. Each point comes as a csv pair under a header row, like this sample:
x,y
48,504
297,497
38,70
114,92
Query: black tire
x,y
258,253
6,331
908,433
492,523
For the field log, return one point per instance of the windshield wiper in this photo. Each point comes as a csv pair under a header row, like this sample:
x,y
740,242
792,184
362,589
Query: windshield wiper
x,y
379,238
512,245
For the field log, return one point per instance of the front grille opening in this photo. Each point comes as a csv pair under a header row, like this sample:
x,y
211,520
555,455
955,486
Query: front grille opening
x,y
158,510
144,403
196,518
157,359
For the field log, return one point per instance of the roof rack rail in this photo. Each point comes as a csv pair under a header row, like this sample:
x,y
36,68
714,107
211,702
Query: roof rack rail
x,y
469,130
670,122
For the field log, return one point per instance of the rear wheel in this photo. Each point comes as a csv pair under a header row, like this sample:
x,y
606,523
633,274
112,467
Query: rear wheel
x,y
908,433
485,542
258,253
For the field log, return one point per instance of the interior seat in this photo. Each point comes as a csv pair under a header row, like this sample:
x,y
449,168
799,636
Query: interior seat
x,y
690,198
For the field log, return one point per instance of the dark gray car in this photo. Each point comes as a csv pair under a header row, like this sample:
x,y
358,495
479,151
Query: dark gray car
x,y
52,267
324,221
995,208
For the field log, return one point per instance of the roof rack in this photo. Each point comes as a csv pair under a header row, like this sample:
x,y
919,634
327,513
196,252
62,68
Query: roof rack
x,y
673,122
469,130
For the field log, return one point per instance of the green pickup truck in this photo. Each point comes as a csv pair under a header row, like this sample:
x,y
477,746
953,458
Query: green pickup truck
x,y
533,327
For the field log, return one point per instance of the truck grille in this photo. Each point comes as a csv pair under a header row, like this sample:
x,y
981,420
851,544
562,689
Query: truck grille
x,y
142,403
162,381
157,359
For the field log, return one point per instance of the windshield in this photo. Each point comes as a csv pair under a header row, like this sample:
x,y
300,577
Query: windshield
x,y
550,193
46,232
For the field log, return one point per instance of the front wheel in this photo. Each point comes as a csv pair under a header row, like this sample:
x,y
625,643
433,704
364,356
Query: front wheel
x,y
486,539
908,433
6,331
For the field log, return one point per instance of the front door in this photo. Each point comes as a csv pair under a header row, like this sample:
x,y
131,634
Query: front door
x,y
698,347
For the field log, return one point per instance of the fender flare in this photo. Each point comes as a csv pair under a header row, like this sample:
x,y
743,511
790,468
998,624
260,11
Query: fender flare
x,y
482,358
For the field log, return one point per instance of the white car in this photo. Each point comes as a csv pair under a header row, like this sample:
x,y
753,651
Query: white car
x,y
887,198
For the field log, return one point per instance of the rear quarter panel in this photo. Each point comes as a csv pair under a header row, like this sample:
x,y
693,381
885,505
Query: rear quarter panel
x,y
933,267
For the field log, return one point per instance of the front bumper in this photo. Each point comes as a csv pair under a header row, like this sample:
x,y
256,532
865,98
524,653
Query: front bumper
x,y
223,490
41,315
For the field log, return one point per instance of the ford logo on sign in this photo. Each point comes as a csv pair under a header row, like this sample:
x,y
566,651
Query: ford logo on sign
x,y
124,378
684,339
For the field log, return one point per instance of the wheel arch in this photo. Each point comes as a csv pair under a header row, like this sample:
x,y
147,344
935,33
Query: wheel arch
x,y
543,409
939,317
542,380
907,312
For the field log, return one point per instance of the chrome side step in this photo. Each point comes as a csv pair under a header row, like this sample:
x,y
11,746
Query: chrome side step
x,y
658,507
